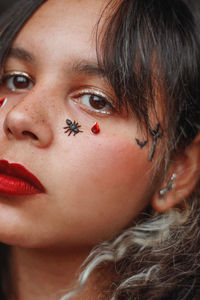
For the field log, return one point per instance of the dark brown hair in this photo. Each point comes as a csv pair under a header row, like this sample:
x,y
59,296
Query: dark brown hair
x,y
146,42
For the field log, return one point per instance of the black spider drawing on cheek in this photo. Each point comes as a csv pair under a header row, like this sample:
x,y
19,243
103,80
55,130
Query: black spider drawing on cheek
x,y
72,127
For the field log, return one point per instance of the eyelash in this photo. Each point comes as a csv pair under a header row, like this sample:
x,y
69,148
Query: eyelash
x,y
14,75
108,107
98,97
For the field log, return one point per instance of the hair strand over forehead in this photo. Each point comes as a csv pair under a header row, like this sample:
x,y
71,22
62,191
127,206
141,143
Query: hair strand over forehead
x,y
12,22
150,44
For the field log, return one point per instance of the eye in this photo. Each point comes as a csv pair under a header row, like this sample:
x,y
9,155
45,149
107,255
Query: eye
x,y
17,81
95,101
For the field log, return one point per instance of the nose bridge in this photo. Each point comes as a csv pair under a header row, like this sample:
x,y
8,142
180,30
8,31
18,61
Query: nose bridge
x,y
31,107
28,120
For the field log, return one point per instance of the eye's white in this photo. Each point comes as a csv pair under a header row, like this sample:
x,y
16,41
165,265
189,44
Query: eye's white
x,y
94,101
18,81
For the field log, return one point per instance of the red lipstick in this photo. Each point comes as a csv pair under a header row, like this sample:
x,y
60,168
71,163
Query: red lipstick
x,y
17,181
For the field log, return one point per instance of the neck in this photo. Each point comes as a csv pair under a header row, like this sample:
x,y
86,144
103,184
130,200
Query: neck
x,y
41,274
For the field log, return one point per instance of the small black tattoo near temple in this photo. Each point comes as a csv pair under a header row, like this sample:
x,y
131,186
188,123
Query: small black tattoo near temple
x,y
156,135
72,127
141,144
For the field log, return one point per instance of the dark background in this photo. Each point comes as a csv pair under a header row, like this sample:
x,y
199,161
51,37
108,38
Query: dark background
x,y
4,4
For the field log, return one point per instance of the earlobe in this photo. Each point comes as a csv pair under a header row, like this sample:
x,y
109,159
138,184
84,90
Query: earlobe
x,y
166,197
187,169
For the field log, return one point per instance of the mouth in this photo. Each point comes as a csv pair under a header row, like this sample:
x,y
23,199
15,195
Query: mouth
x,y
18,181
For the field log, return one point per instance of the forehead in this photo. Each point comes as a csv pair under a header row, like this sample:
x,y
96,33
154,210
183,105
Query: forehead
x,y
72,11
81,11
62,24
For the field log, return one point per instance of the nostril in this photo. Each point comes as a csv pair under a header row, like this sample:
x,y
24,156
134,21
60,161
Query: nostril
x,y
9,131
30,134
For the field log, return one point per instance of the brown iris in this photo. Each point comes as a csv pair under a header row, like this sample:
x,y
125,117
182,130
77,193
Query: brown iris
x,y
20,82
97,102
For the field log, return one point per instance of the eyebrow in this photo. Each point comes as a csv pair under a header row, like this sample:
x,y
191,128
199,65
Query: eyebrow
x,y
81,66
88,68
21,54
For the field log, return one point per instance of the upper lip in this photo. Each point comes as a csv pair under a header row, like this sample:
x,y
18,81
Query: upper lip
x,y
20,172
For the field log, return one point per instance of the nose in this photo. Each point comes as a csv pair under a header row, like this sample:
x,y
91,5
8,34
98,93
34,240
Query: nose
x,y
24,122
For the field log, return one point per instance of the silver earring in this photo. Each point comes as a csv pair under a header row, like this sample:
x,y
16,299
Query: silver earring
x,y
169,187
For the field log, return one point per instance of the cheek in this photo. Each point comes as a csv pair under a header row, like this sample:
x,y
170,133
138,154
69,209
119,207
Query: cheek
x,y
106,184
111,162
115,163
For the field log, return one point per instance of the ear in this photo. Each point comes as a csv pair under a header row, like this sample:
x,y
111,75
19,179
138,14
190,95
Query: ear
x,y
186,166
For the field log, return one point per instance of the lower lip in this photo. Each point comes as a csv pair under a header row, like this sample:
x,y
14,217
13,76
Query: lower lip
x,y
11,186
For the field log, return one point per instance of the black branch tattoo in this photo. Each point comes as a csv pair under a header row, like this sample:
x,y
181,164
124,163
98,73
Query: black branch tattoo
x,y
156,134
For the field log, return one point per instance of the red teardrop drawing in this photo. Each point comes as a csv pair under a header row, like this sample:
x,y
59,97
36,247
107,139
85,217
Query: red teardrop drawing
x,y
95,129
2,101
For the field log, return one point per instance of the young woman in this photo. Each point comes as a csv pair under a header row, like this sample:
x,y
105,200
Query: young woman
x,y
100,150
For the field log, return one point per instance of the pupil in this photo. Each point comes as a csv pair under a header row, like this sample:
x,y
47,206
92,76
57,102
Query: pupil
x,y
20,82
96,102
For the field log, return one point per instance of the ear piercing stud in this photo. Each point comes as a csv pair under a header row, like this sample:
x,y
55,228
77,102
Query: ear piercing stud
x,y
3,102
95,129
169,187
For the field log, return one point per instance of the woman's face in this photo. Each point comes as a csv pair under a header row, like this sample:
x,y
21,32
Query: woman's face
x,y
95,184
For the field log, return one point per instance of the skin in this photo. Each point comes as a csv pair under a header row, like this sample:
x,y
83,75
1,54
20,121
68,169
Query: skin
x,y
95,184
